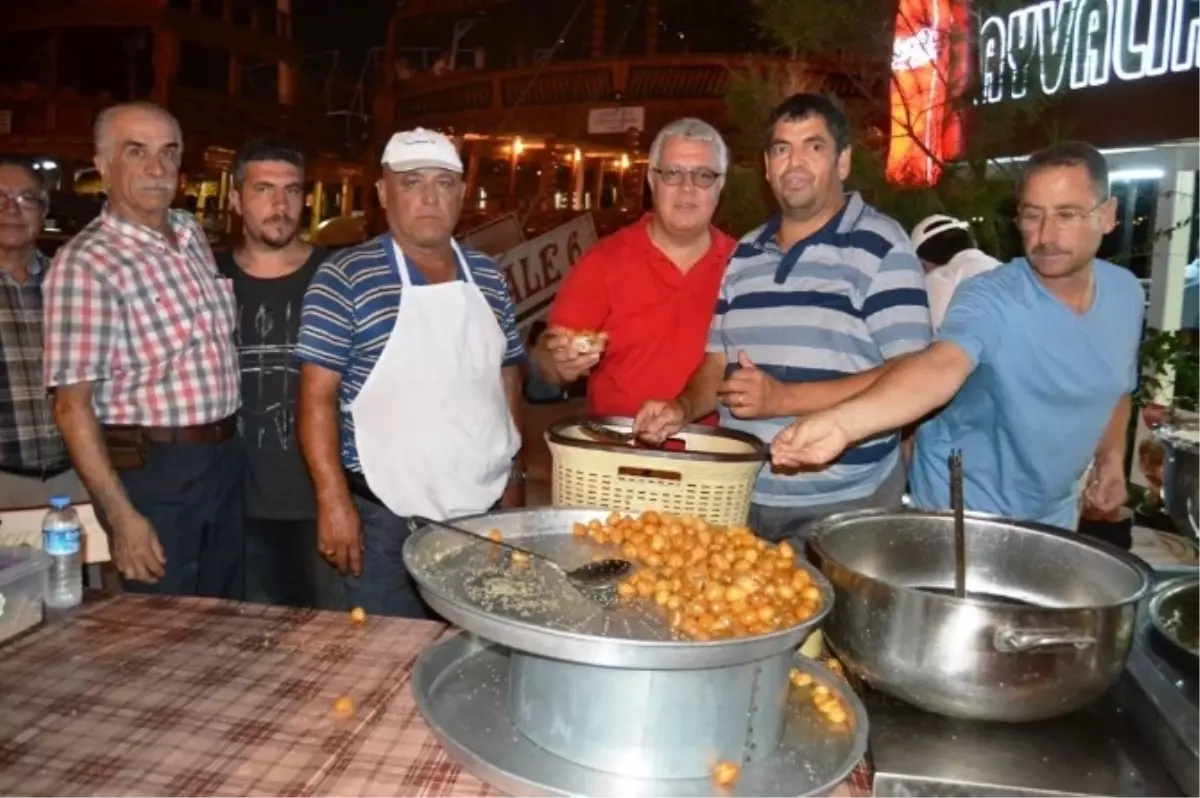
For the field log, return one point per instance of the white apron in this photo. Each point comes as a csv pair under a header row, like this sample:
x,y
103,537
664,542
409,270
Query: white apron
x,y
434,433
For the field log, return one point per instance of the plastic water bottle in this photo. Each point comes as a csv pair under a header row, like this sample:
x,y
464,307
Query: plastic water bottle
x,y
62,540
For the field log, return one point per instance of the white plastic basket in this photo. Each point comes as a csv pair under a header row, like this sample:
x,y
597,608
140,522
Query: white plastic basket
x,y
711,478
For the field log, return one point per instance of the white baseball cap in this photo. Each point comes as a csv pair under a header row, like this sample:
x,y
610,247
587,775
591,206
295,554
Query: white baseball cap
x,y
930,226
421,149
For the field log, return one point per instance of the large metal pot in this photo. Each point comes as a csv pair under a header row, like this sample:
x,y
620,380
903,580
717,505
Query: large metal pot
x,y
1048,629
1181,483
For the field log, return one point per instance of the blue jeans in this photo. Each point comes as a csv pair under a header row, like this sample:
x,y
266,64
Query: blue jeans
x,y
283,566
385,588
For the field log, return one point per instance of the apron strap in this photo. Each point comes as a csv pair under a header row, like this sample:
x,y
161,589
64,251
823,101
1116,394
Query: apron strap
x,y
400,263
462,259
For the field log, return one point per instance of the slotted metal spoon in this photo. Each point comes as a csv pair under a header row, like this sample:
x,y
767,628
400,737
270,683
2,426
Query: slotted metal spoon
x,y
600,432
593,575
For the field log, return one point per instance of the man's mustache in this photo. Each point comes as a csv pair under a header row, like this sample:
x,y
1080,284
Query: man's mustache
x,y
279,219
154,185
1049,249
798,174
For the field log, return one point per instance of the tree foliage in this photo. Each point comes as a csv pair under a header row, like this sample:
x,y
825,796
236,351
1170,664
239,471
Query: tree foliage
x,y
842,48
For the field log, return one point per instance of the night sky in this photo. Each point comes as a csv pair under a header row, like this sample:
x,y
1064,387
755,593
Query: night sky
x,y
353,26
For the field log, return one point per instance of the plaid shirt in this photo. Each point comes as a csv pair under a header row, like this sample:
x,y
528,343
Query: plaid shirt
x,y
151,326
29,439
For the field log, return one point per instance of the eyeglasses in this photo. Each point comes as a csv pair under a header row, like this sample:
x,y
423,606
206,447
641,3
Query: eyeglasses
x,y
701,178
26,201
1030,219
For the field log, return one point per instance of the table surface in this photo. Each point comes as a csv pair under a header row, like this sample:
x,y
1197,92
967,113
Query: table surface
x,y
184,696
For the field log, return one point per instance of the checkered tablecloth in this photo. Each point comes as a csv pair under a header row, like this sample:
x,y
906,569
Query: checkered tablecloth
x,y
182,696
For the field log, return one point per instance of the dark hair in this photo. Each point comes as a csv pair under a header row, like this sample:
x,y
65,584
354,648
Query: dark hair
x,y
257,150
24,165
1069,153
939,248
801,106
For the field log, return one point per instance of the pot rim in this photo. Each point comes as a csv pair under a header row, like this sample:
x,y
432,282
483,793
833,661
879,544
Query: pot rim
x,y
1163,591
757,450
830,523
1169,435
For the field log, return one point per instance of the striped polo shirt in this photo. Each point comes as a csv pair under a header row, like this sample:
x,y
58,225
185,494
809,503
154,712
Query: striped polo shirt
x,y
839,302
350,309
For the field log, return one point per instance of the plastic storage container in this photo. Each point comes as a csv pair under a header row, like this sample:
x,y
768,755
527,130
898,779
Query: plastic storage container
x,y
22,589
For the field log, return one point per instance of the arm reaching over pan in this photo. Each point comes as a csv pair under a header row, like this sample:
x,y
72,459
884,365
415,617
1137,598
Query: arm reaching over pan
x,y
915,386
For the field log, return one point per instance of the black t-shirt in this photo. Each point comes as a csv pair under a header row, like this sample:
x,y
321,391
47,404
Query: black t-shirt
x,y
277,482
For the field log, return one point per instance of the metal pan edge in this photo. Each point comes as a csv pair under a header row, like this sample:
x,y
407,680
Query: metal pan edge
x,y
443,660
594,650
1164,593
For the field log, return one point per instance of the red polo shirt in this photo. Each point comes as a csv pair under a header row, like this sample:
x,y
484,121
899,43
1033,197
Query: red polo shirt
x,y
657,318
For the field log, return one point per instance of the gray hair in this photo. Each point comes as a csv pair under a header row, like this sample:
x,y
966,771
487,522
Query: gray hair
x,y
102,133
691,129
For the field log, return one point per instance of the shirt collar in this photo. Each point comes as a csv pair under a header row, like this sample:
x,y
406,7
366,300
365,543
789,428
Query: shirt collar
x,y
35,271
176,219
844,221
38,265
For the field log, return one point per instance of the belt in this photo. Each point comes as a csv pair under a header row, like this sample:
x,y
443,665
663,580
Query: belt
x,y
358,486
213,432
48,472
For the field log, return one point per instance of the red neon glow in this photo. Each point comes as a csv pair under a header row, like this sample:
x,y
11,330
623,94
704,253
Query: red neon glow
x,y
928,69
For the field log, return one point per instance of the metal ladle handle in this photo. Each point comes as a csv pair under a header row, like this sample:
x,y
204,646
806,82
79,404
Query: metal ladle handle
x,y
417,521
956,504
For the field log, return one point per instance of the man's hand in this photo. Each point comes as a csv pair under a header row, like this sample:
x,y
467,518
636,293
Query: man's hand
x,y
658,420
339,535
751,392
1106,491
569,362
810,441
135,548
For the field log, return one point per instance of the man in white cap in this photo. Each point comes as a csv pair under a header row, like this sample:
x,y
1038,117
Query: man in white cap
x,y
409,383
950,255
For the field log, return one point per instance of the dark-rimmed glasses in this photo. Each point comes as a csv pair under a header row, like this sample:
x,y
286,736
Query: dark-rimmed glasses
x,y
701,178
25,201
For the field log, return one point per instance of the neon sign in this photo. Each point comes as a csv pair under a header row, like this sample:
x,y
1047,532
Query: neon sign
x,y
928,72
1077,44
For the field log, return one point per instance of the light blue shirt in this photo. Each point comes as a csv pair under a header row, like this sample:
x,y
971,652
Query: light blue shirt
x,y
1046,380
